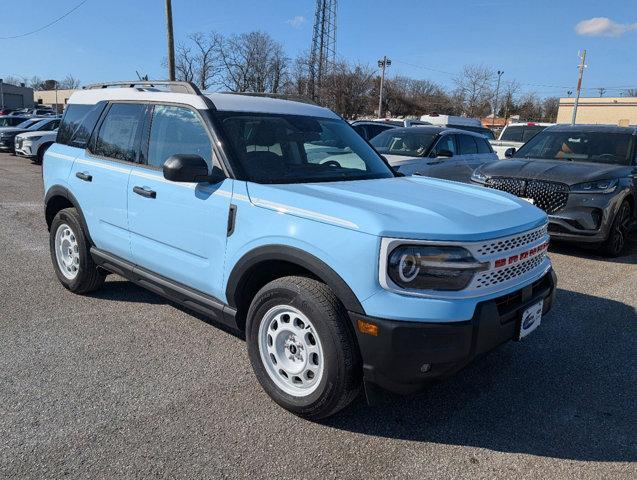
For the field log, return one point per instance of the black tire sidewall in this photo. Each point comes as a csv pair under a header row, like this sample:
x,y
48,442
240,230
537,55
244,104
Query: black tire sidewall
x,y
609,246
327,392
69,217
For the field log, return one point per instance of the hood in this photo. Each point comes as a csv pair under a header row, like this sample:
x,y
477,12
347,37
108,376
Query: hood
x,y
404,207
565,171
29,134
12,130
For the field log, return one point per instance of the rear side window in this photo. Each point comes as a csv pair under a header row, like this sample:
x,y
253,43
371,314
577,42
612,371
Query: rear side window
x,y
360,129
177,130
483,145
467,145
521,133
119,131
445,143
78,123
373,130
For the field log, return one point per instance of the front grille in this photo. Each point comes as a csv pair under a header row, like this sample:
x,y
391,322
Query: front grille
x,y
511,243
549,196
18,143
494,277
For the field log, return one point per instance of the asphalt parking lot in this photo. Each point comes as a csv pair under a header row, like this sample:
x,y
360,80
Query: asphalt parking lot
x,y
124,384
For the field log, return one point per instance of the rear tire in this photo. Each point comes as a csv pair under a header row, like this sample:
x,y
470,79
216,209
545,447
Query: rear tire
x,y
70,254
301,347
618,235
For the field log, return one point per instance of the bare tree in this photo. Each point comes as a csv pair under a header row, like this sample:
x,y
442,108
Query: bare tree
x,y
347,89
198,60
473,89
69,82
550,106
630,92
13,80
509,90
253,62
530,108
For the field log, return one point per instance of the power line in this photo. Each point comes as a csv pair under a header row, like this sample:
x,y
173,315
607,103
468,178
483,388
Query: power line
x,y
48,24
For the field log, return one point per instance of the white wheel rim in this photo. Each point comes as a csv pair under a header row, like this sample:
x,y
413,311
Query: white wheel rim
x,y
291,350
67,251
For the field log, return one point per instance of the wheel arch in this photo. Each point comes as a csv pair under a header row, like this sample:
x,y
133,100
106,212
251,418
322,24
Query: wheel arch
x,y
58,198
264,264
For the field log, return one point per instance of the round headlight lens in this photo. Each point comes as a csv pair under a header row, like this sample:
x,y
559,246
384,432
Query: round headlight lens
x,y
431,267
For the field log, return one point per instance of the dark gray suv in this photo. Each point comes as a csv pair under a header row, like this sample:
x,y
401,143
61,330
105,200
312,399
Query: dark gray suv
x,y
583,176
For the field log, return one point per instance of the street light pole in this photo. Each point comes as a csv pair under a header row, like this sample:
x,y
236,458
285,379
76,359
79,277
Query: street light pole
x,y
497,92
581,67
1,93
382,63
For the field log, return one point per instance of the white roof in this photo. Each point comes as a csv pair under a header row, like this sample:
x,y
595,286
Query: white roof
x,y
451,120
222,101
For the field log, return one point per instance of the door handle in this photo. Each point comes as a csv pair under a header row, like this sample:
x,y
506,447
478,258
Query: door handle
x,y
84,176
145,192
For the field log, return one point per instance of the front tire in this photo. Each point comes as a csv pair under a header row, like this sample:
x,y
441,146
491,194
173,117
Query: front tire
x,y
70,254
301,347
618,235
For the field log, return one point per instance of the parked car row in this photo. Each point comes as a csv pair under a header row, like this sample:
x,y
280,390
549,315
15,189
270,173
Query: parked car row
x,y
30,137
515,135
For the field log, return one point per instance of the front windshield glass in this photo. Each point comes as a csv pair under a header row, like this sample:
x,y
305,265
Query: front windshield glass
x,y
7,121
299,149
38,125
597,147
408,143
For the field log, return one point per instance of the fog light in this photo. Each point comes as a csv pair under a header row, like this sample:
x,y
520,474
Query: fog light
x,y
425,367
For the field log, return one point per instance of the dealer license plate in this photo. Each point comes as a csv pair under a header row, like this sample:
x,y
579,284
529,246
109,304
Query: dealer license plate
x,y
531,319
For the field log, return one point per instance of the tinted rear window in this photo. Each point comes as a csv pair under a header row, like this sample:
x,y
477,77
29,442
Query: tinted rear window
x,y
78,124
467,145
521,133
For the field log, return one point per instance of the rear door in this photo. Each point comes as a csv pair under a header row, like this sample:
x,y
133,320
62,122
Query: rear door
x,y
178,229
99,177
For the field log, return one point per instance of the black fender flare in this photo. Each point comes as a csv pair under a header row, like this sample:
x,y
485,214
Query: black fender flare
x,y
60,191
297,257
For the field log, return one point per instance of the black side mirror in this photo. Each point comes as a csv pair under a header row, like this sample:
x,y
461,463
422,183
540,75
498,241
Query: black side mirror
x,y
444,153
190,168
509,152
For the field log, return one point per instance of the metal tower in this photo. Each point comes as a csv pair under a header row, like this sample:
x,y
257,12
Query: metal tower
x,y
323,53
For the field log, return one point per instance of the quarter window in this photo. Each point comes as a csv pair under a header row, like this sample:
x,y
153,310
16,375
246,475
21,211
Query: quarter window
x,y
483,145
177,130
119,130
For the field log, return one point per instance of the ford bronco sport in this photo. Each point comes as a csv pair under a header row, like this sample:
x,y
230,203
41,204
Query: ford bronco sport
x,y
276,218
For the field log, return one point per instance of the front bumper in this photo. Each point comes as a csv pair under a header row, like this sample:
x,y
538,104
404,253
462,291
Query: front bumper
x,y
6,144
25,149
405,356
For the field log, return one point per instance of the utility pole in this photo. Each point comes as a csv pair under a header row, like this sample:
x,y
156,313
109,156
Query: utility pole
x,y
171,40
1,93
382,64
581,67
497,92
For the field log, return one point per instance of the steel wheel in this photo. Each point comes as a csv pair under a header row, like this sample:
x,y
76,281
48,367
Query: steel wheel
x,y
291,350
67,252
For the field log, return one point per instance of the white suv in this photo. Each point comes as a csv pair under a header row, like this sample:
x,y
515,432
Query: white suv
x,y
34,144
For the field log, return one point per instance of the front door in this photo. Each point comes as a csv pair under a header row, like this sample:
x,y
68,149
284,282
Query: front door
x,y
178,229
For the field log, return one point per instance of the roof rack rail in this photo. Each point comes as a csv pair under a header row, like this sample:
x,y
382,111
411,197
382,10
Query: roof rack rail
x,y
279,96
175,87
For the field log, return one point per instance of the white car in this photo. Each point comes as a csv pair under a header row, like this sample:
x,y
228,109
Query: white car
x,y
34,144
515,135
461,123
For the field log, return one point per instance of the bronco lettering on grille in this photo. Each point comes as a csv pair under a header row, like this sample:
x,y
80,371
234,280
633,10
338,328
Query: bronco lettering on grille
x,y
501,262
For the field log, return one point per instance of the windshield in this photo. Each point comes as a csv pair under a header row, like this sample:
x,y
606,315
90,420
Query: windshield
x,y
8,121
597,147
293,149
408,143
38,125
522,133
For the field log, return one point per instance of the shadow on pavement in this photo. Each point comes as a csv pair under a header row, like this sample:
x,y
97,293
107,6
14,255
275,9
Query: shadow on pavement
x,y
583,251
567,391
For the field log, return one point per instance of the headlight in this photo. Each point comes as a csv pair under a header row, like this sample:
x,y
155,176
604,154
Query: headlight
x,y
429,267
479,177
599,186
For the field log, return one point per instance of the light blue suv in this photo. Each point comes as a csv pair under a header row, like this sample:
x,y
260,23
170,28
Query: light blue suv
x,y
277,219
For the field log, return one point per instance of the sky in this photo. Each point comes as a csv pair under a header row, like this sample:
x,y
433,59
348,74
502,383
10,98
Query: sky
x,y
534,42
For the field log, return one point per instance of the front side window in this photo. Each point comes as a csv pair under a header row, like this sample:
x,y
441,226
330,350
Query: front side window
x,y
273,148
596,147
483,145
406,142
445,143
119,130
467,145
78,123
177,130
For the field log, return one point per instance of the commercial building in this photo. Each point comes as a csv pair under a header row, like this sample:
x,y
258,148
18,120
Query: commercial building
x,y
602,110
15,96
53,98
